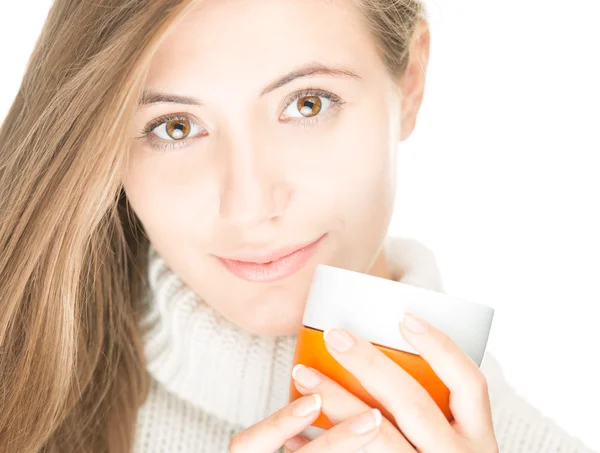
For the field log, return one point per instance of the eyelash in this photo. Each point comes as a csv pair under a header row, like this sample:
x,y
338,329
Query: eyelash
x,y
145,134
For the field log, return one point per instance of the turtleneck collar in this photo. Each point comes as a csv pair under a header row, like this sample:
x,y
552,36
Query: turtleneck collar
x,y
200,356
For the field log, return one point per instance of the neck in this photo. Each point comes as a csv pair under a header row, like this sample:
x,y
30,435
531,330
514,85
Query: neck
x,y
380,267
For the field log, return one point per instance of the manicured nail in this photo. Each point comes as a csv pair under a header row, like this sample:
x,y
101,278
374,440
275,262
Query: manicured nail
x,y
338,339
366,422
307,405
305,377
414,324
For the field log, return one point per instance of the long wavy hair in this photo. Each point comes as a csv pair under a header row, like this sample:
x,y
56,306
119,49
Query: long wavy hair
x,y
73,255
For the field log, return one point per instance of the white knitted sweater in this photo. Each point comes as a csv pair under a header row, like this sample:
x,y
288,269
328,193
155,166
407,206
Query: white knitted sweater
x,y
211,379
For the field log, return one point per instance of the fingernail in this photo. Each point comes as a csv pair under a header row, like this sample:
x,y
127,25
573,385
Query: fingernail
x,y
307,405
305,377
338,339
414,324
366,422
293,444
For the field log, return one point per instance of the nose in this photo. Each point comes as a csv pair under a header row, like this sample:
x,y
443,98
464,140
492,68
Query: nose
x,y
253,191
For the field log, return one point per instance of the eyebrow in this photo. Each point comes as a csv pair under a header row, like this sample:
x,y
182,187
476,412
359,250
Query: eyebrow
x,y
150,96
309,70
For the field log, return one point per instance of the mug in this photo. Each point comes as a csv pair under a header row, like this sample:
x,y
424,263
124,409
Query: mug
x,y
372,308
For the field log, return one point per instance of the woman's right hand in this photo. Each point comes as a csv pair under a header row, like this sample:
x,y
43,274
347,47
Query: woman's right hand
x,y
270,434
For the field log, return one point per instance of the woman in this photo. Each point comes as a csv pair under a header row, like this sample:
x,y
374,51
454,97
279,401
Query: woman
x,y
171,172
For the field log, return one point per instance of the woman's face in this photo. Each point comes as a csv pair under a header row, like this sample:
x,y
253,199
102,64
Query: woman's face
x,y
288,135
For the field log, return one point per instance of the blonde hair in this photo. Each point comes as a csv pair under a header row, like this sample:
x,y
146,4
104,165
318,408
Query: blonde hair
x,y
72,252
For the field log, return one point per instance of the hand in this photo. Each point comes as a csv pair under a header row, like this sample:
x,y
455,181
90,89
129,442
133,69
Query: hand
x,y
271,433
423,426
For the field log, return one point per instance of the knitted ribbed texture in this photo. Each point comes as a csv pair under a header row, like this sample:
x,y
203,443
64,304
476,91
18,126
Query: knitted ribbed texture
x,y
211,379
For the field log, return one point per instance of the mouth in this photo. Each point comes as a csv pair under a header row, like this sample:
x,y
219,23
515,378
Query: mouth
x,y
272,266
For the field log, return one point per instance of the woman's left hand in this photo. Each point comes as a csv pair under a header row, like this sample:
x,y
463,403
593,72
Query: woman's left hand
x,y
424,428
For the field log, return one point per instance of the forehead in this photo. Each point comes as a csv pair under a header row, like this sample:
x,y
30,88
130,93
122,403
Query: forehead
x,y
252,41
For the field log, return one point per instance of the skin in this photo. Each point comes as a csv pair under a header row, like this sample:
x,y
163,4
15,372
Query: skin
x,y
415,414
257,174
254,178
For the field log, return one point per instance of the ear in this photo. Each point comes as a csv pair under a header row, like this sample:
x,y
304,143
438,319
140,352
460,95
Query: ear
x,y
412,83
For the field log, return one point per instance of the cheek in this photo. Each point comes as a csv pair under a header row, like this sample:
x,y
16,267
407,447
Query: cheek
x,y
138,189
361,170
167,196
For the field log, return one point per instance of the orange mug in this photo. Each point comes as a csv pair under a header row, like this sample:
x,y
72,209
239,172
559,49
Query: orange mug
x,y
372,307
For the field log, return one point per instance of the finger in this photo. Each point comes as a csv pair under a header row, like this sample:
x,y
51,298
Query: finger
x,y
470,402
271,433
403,396
339,405
295,443
350,435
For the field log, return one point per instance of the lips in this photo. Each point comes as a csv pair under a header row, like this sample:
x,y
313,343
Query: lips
x,y
263,257
271,266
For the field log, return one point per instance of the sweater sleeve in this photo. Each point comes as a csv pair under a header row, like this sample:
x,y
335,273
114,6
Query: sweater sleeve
x,y
521,427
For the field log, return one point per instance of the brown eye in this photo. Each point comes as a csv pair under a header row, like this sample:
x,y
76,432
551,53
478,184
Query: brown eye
x,y
309,105
178,129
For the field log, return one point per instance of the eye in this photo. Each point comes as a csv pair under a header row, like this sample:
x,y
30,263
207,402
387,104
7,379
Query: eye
x,y
171,131
175,129
307,106
311,105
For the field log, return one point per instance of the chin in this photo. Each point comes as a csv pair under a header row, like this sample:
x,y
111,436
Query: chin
x,y
278,329
270,327
274,311
269,320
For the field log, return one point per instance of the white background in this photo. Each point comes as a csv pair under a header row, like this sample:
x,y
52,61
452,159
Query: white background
x,y
500,179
